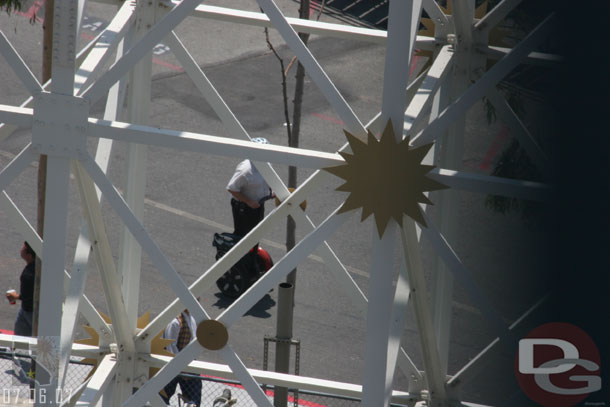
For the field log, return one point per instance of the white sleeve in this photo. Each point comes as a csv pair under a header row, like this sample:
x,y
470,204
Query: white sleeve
x,y
237,181
171,332
193,327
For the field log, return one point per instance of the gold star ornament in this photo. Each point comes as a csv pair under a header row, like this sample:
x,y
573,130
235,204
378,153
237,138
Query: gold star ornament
x,y
385,178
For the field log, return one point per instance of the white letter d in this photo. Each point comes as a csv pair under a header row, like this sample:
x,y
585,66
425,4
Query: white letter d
x,y
526,355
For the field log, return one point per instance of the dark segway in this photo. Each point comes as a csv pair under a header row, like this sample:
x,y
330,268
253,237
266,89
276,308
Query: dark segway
x,y
247,270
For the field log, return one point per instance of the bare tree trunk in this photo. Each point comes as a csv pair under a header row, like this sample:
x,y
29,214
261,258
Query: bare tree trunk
x,y
286,290
293,139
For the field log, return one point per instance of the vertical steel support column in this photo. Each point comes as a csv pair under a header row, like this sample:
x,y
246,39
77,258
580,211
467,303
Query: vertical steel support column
x,y
56,209
450,155
379,375
130,255
442,280
138,107
52,278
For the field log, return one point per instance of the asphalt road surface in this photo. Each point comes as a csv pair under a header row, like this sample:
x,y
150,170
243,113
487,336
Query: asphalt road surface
x,y
187,202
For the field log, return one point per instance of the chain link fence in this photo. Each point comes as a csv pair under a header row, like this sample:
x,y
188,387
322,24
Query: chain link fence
x,y
213,387
17,379
18,390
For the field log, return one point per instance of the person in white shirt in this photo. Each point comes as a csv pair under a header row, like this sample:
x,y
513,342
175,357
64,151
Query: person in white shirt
x,y
182,330
247,187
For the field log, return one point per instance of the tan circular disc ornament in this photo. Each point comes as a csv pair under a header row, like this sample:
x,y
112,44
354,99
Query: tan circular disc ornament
x,y
212,334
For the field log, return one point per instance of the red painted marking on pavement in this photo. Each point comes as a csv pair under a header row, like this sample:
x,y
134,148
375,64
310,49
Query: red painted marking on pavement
x,y
328,118
31,13
267,392
168,65
314,7
6,332
86,36
414,63
493,149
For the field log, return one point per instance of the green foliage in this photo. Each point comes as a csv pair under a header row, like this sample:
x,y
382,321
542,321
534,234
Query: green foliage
x,y
524,85
10,5
514,163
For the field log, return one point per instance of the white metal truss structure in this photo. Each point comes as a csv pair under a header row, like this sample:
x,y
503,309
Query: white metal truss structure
x,y
58,114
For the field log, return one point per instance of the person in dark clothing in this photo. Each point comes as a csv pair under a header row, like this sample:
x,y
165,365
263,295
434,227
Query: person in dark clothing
x,y
23,323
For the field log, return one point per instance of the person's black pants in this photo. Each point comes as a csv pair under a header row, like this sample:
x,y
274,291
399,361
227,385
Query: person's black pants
x,y
190,388
245,218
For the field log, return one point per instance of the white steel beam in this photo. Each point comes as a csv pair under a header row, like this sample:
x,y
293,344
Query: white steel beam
x,y
519,131
140,49
28,343
19,67
497,14
65,16
182,140
304,26
150,247
463,275
485,357
75,393
281,379
434,79
245,378
109,38
428,341
345,281
75,300
18,116
435,12
16,166
533,58
80,13
300,25
74,288
99,382
488,184
375,125
441,280
463,19
397,324
377,379
449,154
480,88
124,332
313,69
130,252
273,277
138,112
152,387
378,376
7,129
206,88
52,279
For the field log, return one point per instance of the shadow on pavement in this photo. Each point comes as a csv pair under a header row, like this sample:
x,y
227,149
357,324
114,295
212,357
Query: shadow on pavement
x,y
259,310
